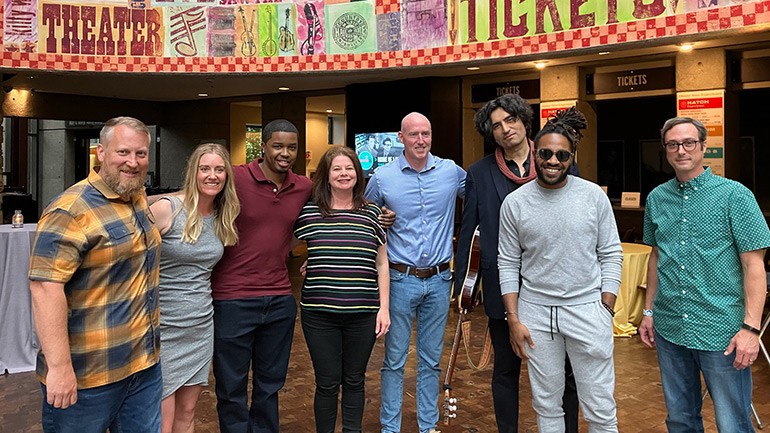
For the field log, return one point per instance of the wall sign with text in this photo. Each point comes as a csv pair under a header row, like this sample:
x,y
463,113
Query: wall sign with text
x,y
630,81
707,106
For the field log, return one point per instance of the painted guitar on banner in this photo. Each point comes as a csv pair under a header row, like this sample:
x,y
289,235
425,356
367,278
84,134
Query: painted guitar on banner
x,y
469,298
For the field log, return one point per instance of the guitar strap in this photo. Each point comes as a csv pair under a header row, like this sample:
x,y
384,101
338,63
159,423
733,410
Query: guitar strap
x,y
485,352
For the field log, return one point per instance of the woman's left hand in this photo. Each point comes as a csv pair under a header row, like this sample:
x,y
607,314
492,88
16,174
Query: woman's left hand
x,y
383,322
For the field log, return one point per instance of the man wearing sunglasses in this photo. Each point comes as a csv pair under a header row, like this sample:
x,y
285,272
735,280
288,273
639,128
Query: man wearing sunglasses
x,y
559,259
705,284
505,122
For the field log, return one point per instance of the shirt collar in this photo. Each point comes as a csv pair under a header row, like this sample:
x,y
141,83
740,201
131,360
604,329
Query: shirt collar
x,y
404,164
259,175
698,181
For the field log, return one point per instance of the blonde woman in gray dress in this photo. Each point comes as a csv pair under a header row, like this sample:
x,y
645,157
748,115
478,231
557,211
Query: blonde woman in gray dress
x,y
195,225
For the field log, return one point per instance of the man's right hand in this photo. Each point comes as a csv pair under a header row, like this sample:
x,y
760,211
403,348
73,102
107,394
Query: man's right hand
x,y
647,331
61,387
520,337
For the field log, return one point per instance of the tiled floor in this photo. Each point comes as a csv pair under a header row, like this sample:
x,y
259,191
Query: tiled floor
x,y
638,392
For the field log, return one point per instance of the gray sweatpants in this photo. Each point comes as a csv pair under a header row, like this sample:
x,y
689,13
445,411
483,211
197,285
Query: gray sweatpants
x,y
585,332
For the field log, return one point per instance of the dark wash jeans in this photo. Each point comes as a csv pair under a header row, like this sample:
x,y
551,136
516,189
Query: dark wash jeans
x,y
254,332
340,345
131,405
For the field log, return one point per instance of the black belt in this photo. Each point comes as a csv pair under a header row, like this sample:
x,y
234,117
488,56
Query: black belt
x,y
420,272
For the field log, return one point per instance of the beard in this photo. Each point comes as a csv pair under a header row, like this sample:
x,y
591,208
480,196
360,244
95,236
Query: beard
x,y
541,176
124,189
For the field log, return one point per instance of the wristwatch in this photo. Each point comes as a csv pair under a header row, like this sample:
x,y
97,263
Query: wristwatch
x,y
647,313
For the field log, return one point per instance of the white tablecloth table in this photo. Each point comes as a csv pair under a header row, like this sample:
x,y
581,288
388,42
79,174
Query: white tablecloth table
x,y
18,339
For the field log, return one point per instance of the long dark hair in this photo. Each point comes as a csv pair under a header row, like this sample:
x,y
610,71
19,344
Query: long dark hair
x,y
322,194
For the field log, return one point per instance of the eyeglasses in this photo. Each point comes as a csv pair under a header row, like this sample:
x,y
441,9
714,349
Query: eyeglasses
x,y
673,146
561,155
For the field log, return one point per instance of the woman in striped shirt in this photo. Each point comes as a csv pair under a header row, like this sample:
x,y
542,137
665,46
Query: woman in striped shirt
x,y
344,303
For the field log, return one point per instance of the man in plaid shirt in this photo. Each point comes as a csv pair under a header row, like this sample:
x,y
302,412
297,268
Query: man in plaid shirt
x,y
94,283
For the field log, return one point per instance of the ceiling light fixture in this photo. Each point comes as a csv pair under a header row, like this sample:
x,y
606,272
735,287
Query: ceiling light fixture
x,y
603,53
329,110
473,68
685,47
540,65
283,88
203,95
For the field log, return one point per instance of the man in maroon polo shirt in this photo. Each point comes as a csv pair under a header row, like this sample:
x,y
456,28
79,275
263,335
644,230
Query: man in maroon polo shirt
x,y
254,310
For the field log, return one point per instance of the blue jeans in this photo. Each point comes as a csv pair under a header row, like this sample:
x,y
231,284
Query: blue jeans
x,y
428,300
254,332
339,345
130,405
730,389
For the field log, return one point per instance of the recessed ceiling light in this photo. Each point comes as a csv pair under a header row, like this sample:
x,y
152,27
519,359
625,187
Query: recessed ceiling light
x,y
203,95
603,53
685,47
473,68
329,110
283,88
540,65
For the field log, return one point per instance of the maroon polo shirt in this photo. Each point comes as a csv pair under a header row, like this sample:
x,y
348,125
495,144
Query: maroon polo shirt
x,y
256,266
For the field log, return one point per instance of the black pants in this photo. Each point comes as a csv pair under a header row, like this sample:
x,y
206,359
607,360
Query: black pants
x,y
505,383
340,345
254,332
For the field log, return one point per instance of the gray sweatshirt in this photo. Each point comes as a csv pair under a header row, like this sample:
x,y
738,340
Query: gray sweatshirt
x,y
563,243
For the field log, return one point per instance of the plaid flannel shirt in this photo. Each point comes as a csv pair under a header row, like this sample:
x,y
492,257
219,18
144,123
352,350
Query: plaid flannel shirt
x,y
106,252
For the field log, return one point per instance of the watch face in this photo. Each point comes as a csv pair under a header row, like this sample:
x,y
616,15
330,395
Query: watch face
x,y
647,313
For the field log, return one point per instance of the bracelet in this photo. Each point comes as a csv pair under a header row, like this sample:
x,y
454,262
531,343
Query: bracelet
x,y
609,309
750,328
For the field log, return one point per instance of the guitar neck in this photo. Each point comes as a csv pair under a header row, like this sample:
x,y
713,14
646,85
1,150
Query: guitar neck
x,y
453,355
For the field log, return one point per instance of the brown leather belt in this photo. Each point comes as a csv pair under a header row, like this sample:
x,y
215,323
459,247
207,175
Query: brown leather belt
x,y
419,272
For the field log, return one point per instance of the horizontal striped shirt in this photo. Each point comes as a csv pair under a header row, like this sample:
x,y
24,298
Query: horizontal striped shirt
x,y
106,252
342,251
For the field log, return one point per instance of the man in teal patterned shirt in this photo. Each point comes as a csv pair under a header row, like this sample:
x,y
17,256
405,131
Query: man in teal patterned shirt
x,y
707,279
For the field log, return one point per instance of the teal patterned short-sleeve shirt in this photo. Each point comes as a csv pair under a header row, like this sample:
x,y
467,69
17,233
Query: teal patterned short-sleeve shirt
x,y
700,228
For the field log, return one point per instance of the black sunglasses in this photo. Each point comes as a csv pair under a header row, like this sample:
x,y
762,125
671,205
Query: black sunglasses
x,y
561,155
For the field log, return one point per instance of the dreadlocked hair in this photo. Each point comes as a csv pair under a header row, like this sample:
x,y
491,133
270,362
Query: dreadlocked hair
x,y
568,123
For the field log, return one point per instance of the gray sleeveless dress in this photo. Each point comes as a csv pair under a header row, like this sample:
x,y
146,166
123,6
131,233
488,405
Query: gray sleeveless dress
x,y
186,313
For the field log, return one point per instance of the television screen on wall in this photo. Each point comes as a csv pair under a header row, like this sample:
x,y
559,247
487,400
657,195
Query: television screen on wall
x,y
377,148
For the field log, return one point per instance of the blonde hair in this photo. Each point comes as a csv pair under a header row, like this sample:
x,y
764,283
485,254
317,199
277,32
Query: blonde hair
x,y
226,204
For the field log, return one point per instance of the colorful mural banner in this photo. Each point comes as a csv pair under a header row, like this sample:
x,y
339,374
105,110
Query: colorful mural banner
x,y
20,24
268,28
351,28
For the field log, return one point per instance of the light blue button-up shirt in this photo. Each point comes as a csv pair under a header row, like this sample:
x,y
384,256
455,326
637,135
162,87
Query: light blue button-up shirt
x,y
424,203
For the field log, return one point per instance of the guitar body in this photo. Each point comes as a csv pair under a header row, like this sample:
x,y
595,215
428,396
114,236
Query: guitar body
x,y
471,290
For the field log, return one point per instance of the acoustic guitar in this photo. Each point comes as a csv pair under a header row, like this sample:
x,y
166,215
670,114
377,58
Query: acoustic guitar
x,y
469,298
